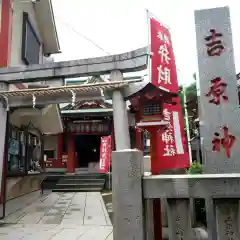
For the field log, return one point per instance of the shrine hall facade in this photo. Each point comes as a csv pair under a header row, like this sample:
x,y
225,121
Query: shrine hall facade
x,y
77,148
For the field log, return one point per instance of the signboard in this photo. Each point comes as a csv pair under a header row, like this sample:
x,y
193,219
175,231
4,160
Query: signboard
x,y
172,151
105,154
89,127
219,115
164,72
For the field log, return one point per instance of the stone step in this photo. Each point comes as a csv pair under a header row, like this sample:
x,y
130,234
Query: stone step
x,y
79,184
77,190
84,176
82,179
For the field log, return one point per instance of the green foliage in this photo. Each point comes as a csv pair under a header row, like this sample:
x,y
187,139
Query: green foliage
x,y
195,168
191,92
191,104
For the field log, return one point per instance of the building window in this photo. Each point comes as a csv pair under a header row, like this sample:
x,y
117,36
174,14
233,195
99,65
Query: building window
x,y
30,42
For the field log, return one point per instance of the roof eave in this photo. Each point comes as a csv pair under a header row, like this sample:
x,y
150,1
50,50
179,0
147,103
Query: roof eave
x,y
47,26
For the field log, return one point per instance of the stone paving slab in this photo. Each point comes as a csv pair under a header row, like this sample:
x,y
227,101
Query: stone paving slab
x,y
59,216
41,232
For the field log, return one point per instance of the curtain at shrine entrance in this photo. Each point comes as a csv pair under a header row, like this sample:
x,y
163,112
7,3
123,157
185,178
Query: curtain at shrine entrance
x,y
88,149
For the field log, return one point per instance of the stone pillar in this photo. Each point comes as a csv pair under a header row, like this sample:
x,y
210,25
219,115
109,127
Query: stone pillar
x,y
219,114
120,117
71,154
179,219
149,224
127,197
211,219
227,225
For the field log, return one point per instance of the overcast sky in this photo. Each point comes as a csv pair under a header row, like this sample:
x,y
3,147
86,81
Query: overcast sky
x,y
121,26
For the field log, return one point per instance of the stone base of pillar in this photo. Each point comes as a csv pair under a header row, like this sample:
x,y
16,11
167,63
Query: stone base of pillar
x,y
127,195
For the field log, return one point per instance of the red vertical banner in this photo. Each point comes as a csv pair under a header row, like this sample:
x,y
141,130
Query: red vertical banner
x,y
105,154
172,150
164,72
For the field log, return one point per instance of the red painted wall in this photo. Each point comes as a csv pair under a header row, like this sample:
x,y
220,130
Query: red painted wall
x,y
5,50
5,40
6,36
6,32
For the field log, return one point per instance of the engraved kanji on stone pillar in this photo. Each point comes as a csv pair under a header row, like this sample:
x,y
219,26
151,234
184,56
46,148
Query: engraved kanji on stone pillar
x,y
219,110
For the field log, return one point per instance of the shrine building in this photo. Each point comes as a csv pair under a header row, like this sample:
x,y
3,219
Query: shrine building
x,y
77,148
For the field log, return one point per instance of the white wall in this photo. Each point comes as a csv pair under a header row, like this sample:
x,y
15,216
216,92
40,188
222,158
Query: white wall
x,y
50,143
20,6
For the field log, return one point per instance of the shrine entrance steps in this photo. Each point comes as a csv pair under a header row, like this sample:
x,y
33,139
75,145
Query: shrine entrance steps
x,y
84,182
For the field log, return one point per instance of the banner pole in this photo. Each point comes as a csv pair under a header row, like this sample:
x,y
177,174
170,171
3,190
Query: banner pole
x,y
154,16
149,46
109,179
187,125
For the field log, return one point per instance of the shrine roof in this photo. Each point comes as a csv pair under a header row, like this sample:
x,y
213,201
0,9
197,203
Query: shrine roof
x,y
90,106
148,90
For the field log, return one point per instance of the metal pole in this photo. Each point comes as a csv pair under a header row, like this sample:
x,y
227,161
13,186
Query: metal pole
x,y
109,180
154,16
187,125
149,46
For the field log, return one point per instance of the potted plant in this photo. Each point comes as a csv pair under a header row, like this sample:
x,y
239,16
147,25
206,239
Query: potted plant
x,y
195,168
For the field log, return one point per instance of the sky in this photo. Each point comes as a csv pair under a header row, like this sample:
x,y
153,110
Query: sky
x,y
121,26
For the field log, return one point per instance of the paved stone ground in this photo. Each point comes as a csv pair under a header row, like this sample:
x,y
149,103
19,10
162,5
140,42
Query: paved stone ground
x,y
59,216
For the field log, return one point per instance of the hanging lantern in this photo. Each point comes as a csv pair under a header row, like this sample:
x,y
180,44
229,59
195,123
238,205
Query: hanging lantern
x,y
33,100
73,98
34,141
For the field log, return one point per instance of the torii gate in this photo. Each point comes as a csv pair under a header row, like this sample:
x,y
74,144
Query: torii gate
x,y
116,89
54,75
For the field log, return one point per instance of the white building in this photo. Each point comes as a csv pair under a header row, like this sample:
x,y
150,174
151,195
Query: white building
x,y
28,36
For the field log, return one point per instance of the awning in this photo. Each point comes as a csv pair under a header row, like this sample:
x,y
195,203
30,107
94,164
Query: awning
x,y
47,120
46,23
